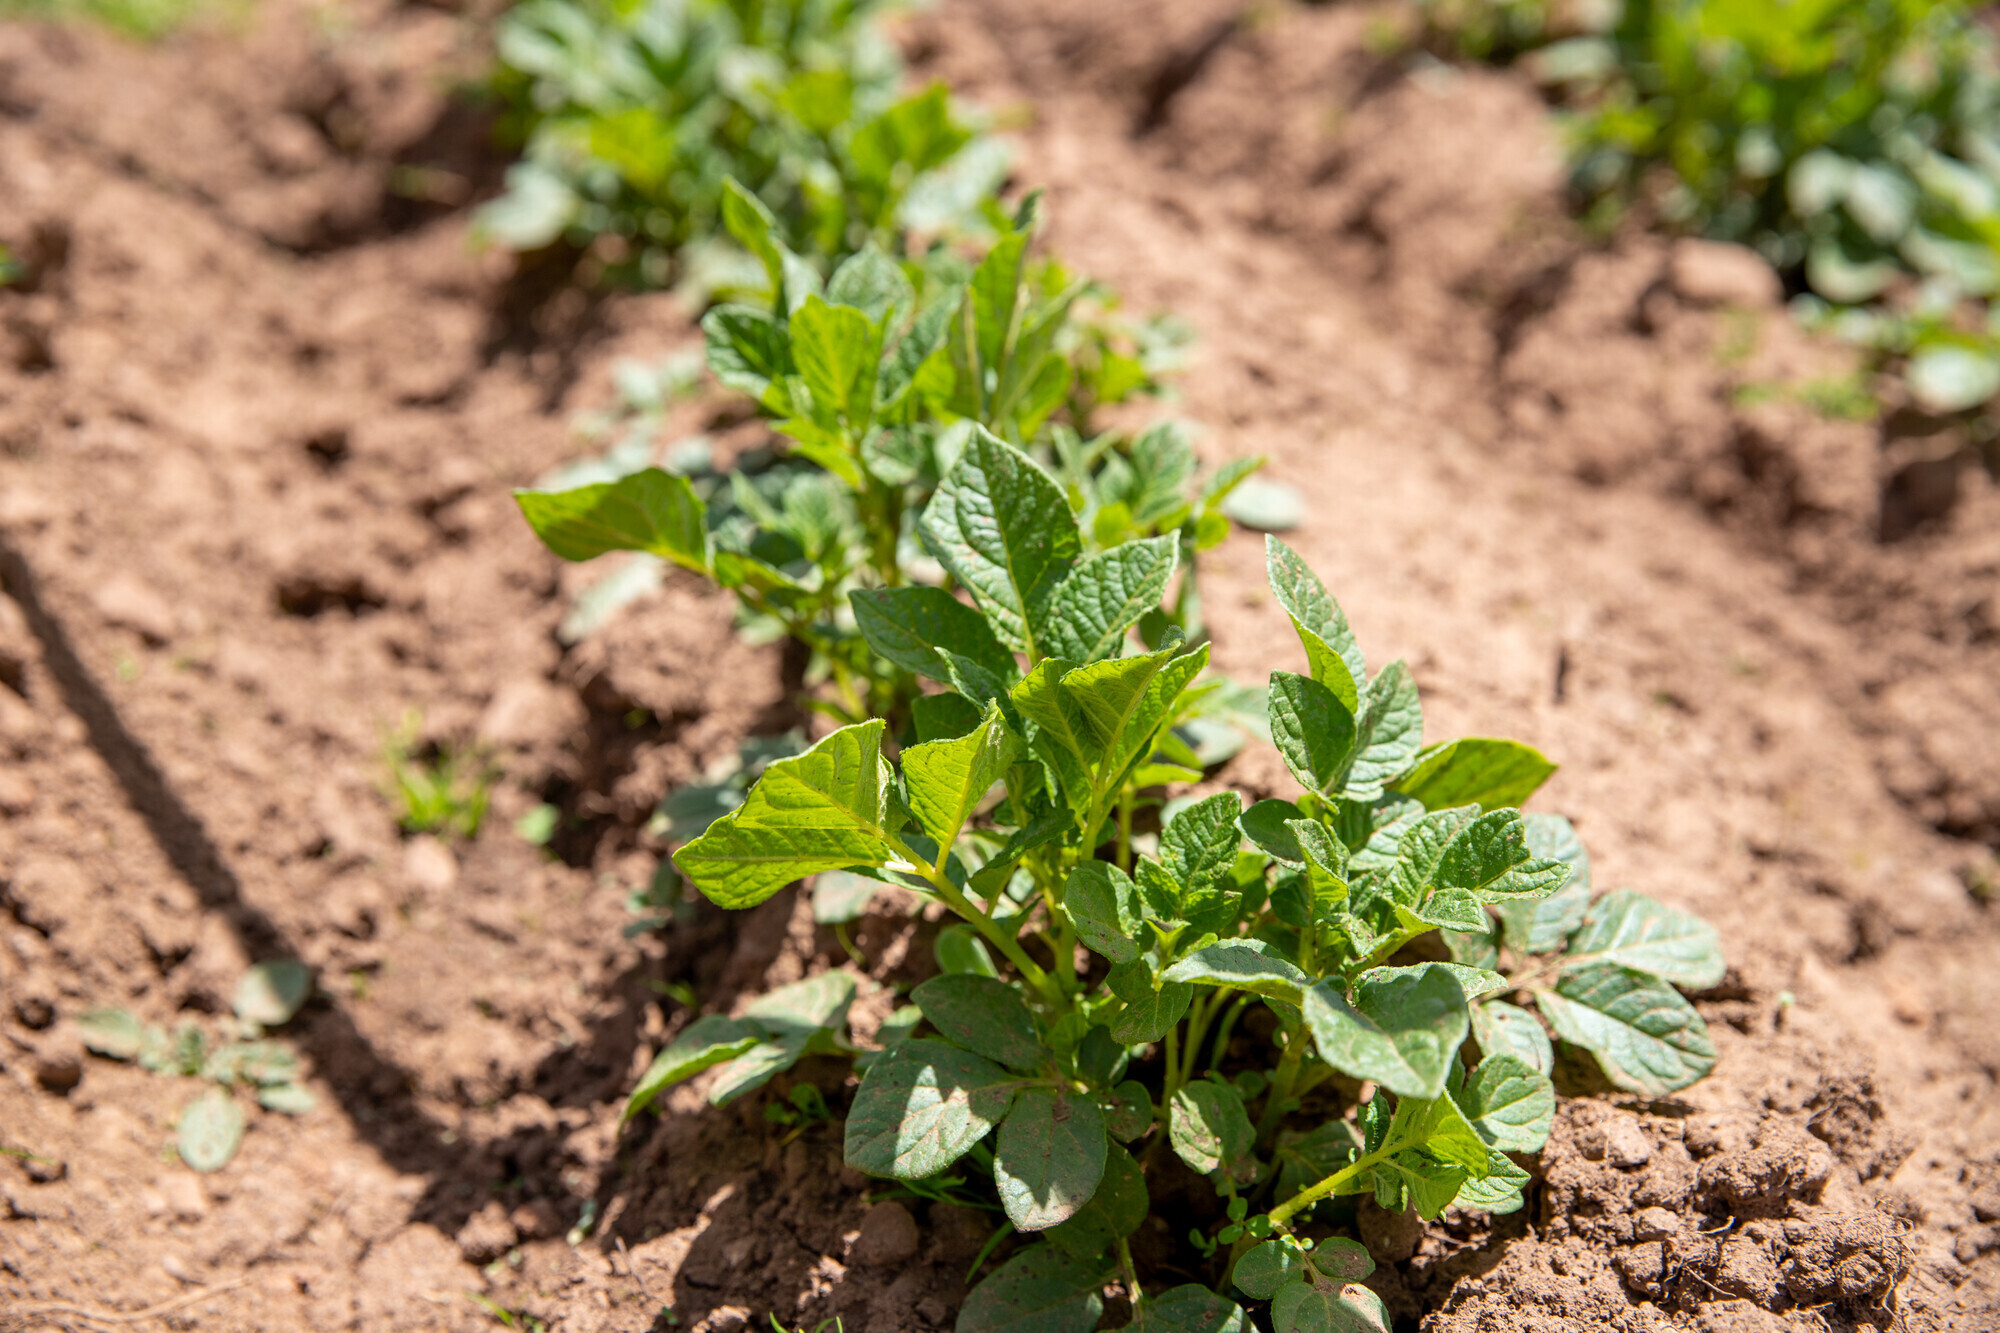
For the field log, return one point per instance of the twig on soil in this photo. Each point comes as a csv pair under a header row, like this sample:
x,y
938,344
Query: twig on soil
x,y
61,1309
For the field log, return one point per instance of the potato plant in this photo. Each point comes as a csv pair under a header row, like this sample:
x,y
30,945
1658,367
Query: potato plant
x,y
1082,1025
633,116
881,377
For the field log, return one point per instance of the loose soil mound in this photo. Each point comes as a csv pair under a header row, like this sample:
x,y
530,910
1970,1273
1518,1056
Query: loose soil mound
x,y
259,407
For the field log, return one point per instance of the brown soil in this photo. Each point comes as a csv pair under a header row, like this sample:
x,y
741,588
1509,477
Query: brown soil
x,y
259,405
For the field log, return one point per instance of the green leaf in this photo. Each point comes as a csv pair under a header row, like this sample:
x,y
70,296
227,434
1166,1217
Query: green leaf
x,y
835,350
270,993
1500,1191
1476,771
1049,1157
1210,1130
650,510
947,780
940,717
909,625
820,1001
1541,925
1421,848
748,349
1149,1014
1432,1186
961,952
1308,1158
1002,528
922,1106
1040,1290
1131,1111
1489,859
1510,1102
286,1099
1950,377
1304,1308
995,295
1188,1308
1506,1029
1199,845
983,1015
1314,613
707,1041
839,896
1403,1031
1104,596
1473,948
211,1129
1116,1210
758,1066
1439,1127
1263,1270
1265,825
1472,981
1342,1260
1313,730
1104,906
1646,1037
873,283
1631,930
112,1032
822,810
1244,968
1389,730
754,228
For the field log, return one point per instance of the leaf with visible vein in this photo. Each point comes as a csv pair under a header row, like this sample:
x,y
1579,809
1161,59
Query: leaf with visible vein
x,y
1645,1036
650,510
922,1106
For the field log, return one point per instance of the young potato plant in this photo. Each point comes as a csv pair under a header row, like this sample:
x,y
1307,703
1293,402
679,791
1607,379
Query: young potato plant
x,y
211,1126
882,377
634,115
1082,1025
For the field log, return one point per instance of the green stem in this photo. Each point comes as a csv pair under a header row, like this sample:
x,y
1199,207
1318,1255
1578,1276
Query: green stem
x,y
1312,1194
1131,1271
1222,1034
1281,1087
1030,970
1125,830
1198,1019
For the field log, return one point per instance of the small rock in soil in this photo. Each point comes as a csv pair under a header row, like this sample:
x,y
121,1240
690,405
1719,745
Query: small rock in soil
x,y
429,866
1716,273
43,1171
58,1074
1390,1237
1744,1269
124,600
1654,1224
487,1234
888,1236
530,713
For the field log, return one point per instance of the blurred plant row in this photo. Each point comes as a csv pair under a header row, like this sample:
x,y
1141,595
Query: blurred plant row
x,y
1855,144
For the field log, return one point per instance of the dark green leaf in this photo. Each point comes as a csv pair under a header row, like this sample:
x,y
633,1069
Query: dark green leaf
x,y
1304,1308
1131,1111
1500,1191
1389,730
1149,1014
1645,1036
1476,771
836,353
983,1015
650,510
707,1041
922,1106
1540,925
1261,1272
1210,1130
1103,905
1188,1308
1506,1029
1315,613
747,349
940,717
1199,844
1049,1157
839,897
1103,597
1264,824
909,625
1004,530
1313,730
1509,1102
1040,1290
1242,967
1489,859
1116,1210
1403,1031
961,952
874,284
1632,930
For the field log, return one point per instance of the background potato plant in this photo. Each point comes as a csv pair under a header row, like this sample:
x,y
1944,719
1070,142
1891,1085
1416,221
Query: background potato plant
x,y
1397,916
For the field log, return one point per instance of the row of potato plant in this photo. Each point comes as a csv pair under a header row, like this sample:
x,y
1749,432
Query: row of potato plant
x,y
1084,1014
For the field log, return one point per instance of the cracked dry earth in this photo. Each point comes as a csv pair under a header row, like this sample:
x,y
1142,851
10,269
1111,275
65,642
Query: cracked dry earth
x,y
260,405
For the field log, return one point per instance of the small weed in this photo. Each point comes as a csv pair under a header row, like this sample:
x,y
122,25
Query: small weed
x,y
445,793
519,1319
211,1126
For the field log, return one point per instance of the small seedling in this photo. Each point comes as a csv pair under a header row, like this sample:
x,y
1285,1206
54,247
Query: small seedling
x,y
211,1126
446,793
1047,1084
